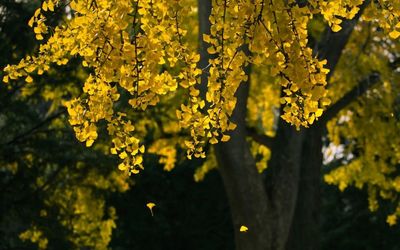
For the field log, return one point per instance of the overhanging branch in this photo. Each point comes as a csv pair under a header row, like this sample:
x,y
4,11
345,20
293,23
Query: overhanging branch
x,y
332,43
357,91
34,128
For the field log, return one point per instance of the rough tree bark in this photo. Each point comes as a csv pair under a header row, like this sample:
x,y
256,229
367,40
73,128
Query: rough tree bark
x,y
282,209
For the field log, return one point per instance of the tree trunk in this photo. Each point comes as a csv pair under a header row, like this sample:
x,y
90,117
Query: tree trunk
x,y
243,184
304,231
282,180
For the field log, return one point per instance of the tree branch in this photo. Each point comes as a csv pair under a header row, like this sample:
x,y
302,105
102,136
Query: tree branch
x,y
34,128
357,91
260,138
332,44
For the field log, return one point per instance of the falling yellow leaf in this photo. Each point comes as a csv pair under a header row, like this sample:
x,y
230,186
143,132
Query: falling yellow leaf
x,y
150,205
243,229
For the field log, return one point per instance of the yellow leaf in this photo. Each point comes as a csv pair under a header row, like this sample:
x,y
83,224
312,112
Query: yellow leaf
x,y
122,167
138,160
28,79
225,138
44,6
113,151
123,155
394,34
243,229
150,205
5,79
37,12
89,143
135,171
336,28
142,11
319,112
213,140
391,220
30,23
211,50
51,5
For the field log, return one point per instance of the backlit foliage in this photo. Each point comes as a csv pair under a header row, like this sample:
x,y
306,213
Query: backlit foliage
x,y
369,127
141,54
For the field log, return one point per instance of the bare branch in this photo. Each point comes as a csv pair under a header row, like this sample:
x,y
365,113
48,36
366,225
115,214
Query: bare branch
x,y
34,128
259,138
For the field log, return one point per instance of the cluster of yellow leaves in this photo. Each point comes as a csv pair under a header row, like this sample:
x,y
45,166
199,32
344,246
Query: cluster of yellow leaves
x,y
209,164
37,22
128,45
385,13
280,42
78,205
334,11
139,50
83,211
261,154
35,236
371,124
165,148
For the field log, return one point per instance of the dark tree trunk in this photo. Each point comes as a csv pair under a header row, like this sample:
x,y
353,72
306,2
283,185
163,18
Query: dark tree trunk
x,y
282,180
304,231
243,184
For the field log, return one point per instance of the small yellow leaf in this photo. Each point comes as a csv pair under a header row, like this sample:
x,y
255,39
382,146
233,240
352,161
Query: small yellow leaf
x,y
122,167
391,220
51,5
135,171
89,143
394,34
44,6
225,138
213,140
113,151
123,155
5,79
319,112
243,229
336,28
28,79
30,23
150,205
141,149
138,160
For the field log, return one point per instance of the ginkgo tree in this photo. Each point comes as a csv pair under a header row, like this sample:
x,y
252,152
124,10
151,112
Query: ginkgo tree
x,y
262,86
